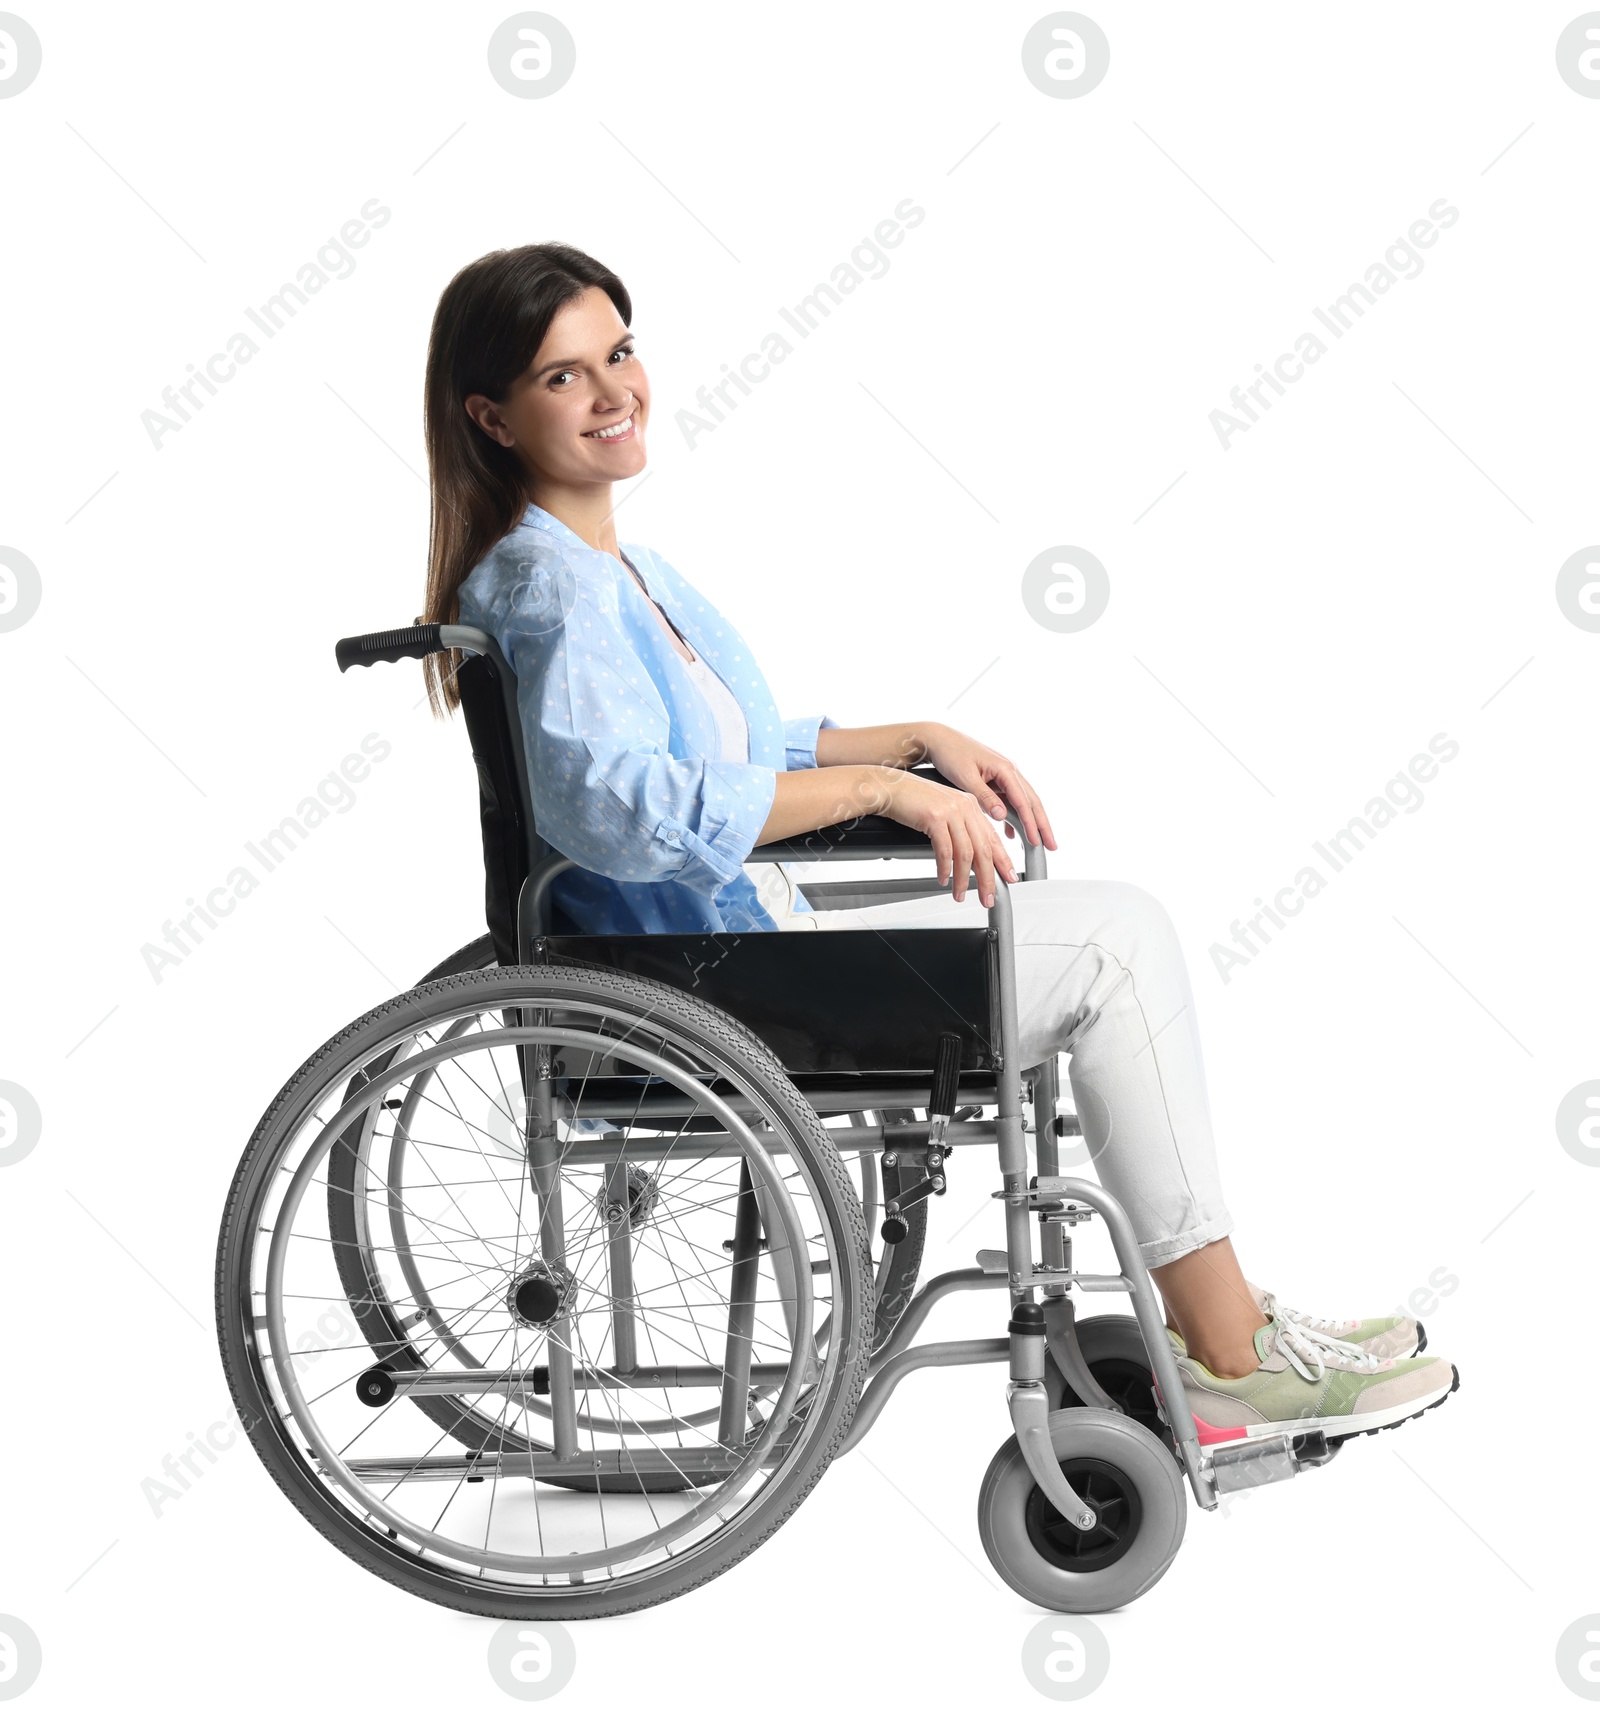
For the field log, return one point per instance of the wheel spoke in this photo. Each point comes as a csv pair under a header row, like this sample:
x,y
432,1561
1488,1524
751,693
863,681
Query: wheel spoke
x,y
622,1274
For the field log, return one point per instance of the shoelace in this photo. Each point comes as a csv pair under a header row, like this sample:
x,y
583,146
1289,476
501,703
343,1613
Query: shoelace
x,y
1308,1349
1317,1323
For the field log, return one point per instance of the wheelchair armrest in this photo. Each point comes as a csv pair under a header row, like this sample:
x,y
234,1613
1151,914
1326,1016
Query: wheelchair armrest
x,y
870,836
865,836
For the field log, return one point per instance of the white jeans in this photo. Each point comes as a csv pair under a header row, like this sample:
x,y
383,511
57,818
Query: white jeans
x,y
1101,976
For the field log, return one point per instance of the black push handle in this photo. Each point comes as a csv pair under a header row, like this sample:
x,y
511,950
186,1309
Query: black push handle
x,y
947,1073
415,643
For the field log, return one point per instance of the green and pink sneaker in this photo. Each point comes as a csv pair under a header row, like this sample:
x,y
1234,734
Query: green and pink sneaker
x,y
1379,1336
1308,1379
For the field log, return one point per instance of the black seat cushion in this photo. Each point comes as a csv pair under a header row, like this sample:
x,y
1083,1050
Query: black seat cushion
x,y
860,1000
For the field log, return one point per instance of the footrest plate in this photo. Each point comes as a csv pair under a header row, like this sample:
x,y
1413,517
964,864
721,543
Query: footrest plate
x,y
1239,1464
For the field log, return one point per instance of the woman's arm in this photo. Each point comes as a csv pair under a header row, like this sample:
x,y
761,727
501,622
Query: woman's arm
x,y
896,746
964,841
994,780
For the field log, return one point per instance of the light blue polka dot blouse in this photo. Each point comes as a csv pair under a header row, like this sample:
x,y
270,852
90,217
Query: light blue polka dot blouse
x,y
618,735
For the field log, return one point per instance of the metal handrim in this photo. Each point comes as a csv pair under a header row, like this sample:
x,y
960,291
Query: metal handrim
x,y
407,1063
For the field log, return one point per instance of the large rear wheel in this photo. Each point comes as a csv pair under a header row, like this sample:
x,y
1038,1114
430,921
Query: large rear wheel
x,y
543,1292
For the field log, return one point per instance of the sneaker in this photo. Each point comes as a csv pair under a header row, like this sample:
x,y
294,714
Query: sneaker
x,y
1381,1336
1311,1380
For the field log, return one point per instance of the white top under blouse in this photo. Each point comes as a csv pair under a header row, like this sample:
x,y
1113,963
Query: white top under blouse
x,y
774,885
733,730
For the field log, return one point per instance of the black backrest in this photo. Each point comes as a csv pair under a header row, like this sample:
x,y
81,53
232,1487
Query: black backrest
x,y
511,843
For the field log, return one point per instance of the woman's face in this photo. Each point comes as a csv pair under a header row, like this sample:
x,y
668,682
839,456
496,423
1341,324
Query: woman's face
x,y
583,380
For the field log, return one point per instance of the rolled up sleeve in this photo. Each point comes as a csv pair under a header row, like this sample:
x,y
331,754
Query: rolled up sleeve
x,y
800,740
734,801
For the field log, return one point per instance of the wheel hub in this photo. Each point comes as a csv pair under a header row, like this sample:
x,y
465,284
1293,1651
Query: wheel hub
x,y
1115,1502
642,1196
541,1294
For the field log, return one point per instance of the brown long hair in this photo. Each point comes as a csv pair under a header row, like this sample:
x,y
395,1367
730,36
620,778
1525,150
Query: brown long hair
x,y
490,323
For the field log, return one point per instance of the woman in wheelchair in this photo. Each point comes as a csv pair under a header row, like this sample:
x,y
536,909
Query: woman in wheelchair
x,y
550,1287
658,761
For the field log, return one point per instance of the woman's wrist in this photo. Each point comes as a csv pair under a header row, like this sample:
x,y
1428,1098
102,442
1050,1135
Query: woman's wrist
x,y
917,742
805,799
906,744
871,790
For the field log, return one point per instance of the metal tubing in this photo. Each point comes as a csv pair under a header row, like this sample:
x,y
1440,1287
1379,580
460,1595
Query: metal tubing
x,y
734,1419
783,1262
708,1461
1008,1119
1152,1326
1030,1417
1061,1334
1054,1246
467,1383
1035,861
1248,1464
916,1312
945,1355
544,1172
709,1145
533,903
620,1266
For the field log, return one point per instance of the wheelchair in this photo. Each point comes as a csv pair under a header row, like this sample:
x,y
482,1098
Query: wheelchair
x,y
550,1287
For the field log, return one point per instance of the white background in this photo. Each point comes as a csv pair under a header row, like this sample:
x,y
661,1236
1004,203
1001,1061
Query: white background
x,y
1368,566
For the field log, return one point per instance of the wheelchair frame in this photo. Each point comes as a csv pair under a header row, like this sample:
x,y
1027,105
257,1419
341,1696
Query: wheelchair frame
x,y
1028,1482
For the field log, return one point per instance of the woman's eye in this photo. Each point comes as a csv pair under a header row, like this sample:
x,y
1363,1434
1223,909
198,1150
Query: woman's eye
x,y
622,355
562,375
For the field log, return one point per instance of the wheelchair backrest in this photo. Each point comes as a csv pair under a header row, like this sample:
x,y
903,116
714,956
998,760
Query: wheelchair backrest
x,y
511,842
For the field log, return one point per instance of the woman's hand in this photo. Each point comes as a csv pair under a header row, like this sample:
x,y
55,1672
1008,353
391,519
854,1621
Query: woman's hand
x,y
994,780
964,840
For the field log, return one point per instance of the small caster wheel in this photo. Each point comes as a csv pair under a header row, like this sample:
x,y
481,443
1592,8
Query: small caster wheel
x,y
1113,1347
375,1386
1132,1484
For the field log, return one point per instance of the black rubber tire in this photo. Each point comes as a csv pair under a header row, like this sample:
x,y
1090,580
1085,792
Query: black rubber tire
x,y
816,1438
475,955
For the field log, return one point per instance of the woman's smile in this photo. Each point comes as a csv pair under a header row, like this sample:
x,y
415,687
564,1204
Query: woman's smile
x,y
622,430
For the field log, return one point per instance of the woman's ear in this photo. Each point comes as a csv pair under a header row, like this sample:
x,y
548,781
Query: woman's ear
x,y
486,414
